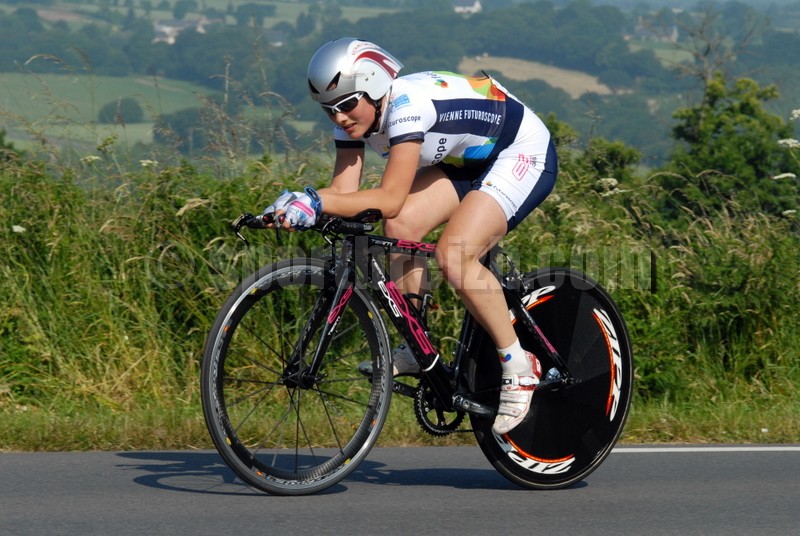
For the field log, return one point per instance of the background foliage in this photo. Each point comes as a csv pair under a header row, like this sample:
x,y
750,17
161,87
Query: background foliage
x,y
116,261
256,53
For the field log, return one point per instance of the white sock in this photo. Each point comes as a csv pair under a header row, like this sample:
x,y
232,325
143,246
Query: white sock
x,y
513,359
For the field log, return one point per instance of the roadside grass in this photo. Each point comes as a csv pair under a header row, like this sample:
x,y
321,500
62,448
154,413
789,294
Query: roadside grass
x,y
113,278
180,425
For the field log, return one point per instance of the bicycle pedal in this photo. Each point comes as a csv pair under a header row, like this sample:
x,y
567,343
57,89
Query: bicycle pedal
x,y
461,403
365,369
404,389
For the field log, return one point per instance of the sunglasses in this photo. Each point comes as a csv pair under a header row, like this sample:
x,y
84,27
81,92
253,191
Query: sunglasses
x,y
345,105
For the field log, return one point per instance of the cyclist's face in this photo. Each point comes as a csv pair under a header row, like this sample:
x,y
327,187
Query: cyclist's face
x,y
352,113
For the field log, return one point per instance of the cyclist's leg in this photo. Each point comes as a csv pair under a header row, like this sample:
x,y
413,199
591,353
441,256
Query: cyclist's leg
x,y
473,230
477,225
512,186
430,203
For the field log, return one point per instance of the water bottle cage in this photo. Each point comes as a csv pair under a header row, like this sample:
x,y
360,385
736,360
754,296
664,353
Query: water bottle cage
x,y
425,302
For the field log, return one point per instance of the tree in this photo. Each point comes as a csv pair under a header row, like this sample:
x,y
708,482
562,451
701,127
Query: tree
x,y
8,152
728,150
183,7
306,24
182,129
124,110
712,50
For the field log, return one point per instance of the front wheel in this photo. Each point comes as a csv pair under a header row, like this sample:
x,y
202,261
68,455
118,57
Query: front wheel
x,y
282,426
572,428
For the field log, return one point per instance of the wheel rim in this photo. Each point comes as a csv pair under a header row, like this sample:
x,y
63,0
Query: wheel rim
x,y
278,428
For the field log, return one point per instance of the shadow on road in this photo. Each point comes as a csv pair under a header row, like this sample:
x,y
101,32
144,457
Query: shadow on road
x,y
205,472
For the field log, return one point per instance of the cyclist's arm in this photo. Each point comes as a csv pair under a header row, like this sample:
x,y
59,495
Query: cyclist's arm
x,y
347,171
390,196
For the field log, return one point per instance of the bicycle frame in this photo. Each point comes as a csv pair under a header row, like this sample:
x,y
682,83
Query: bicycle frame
x,y
263,401
359,254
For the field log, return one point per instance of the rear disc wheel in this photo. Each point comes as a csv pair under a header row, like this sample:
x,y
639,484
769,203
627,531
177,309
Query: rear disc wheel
x,y
572,428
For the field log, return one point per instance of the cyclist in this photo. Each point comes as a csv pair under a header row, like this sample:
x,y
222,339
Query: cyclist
x,y
460,150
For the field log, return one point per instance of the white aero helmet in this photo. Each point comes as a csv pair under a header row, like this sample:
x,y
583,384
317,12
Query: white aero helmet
x,y
348,65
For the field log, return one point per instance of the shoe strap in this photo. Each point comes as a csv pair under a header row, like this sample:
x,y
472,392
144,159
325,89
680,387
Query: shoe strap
x,y
514,382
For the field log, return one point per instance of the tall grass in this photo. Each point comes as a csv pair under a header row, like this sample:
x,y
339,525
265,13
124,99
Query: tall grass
x,y
113,274
111,285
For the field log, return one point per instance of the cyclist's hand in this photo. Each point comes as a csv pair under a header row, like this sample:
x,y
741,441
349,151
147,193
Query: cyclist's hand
x,y
303,211
280,204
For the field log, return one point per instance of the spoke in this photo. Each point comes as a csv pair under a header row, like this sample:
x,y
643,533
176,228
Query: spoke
x,y
250,412
301,427
341,397
277,353
324,400
295,424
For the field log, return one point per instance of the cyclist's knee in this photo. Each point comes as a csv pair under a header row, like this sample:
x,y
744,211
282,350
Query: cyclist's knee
x,y
451,263
404,226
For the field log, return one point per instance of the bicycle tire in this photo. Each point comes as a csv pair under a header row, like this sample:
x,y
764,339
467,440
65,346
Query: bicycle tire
x,y
570,430
278,434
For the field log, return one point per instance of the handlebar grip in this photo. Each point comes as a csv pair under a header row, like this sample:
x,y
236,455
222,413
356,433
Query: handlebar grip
x,y
360,224
338,225
251,221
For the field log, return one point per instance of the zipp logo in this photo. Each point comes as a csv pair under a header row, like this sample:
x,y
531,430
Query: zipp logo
x,y
616,361
532,463
531,299
544,467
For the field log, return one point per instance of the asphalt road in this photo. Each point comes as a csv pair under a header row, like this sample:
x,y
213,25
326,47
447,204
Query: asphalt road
x,y
438,490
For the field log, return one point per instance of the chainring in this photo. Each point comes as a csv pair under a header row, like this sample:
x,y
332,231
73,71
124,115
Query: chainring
x,y
431,417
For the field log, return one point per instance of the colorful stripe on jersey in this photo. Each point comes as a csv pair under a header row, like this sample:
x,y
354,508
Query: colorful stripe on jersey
x,y
482,85
496,120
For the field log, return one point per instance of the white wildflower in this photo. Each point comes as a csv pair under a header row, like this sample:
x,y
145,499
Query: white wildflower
x,y
784,176
18,228
616,191
609,183
90,159
148,163
795,115
789,143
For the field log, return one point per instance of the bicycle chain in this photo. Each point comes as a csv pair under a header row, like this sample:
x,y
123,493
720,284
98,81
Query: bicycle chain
x,y
424,402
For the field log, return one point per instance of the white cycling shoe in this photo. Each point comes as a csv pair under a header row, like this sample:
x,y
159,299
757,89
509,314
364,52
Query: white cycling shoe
x,y
516,392
403,363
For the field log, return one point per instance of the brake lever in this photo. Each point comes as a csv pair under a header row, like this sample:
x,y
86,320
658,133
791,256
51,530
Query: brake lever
x,y
240,222
255,222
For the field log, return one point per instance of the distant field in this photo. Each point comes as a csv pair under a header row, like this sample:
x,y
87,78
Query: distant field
x,y
76,12
66,106
289,11
575,83
666,53
79,98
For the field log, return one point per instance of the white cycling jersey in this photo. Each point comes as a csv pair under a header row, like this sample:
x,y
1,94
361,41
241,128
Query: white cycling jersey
x,y
467,122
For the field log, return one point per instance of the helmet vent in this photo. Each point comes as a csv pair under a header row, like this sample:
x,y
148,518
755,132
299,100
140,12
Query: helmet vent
x,y
335,82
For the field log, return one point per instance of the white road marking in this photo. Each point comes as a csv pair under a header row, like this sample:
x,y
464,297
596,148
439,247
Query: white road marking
x,y
715,448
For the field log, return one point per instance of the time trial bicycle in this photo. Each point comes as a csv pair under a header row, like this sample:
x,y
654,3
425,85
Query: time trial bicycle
x,y
297,374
